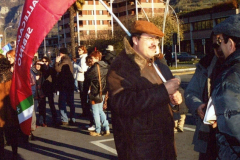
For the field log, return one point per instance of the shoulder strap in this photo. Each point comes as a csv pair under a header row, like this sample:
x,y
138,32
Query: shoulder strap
x,y
99,79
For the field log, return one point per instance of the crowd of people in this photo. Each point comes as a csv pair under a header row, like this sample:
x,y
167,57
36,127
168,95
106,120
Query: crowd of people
x,y
45,81
141,92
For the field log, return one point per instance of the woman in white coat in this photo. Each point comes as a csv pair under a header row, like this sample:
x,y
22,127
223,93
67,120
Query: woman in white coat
x,y
82,67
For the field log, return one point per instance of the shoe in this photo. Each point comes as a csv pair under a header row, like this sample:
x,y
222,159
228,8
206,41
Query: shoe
x,y
64,123
180,129
71,122
107,133
31,137
92,128
175,130
44,125
95,134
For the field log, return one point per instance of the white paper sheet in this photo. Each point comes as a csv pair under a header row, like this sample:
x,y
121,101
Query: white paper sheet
x,y
210,116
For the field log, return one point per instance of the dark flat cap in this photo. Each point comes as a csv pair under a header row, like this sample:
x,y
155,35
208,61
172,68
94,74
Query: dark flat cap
x,y
146,27
63,51
230,26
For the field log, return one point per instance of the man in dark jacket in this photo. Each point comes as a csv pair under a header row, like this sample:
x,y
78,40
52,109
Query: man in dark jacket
x,y
141,113
225,95
48,86
65,82
196,98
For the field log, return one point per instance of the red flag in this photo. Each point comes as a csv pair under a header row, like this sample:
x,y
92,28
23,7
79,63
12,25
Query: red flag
x,y
38,17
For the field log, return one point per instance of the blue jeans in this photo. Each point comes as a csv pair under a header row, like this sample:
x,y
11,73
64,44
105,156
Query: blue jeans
x,y
99,117
66,97
75,85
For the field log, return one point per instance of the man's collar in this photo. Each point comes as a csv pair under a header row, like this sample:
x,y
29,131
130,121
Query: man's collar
x,y
132,54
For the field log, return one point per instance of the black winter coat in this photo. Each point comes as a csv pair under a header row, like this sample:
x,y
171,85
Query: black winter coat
x,y
141,116
92,79
49,84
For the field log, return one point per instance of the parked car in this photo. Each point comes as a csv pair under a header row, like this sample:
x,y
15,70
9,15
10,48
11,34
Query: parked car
x,y
184,56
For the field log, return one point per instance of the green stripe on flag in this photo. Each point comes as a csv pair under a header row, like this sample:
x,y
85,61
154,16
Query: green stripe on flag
x,y
25,104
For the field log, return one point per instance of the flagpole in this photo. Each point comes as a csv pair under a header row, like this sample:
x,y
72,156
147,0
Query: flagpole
x,y
143,11
164,21
118,21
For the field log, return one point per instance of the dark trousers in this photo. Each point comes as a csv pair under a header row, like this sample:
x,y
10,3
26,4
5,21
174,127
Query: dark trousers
x,y
83,104
52,106
169,62
11,134
211,153
42,108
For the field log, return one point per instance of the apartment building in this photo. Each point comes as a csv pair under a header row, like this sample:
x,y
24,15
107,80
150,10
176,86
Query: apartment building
x,y
95,21
198,26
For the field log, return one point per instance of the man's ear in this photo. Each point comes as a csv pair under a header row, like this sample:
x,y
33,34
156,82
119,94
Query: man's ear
x,y
232,45
135,40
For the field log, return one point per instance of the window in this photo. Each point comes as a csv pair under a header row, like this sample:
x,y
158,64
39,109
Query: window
x,y
199,25
209,24
80,13
186,27
93,22
203,25
80,23
100,12
195,26
220,20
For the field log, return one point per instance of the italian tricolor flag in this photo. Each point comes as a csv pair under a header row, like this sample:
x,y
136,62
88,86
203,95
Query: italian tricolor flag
x,y
38,17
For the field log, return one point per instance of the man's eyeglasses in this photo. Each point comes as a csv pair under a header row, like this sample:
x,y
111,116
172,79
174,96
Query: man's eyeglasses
x,y
152,39
218,43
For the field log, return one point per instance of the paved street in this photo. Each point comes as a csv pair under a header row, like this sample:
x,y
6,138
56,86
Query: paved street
x,y
74,142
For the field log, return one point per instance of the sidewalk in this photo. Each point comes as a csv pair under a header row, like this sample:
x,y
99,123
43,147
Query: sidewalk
x,y
190,70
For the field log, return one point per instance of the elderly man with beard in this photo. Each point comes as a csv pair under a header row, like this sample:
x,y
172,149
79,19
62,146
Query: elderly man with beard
x,y
141,99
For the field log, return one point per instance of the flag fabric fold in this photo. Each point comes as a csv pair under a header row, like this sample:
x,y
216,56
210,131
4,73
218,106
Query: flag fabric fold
x,y
38,18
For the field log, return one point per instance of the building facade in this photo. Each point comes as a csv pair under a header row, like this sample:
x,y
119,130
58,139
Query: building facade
x,y
94,21
198,27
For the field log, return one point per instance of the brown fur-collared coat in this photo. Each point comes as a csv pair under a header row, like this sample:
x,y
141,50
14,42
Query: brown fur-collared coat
x,y
141,116
8,116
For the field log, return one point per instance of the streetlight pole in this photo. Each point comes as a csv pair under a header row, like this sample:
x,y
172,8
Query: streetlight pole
x,y
177,28
164,21
5,33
